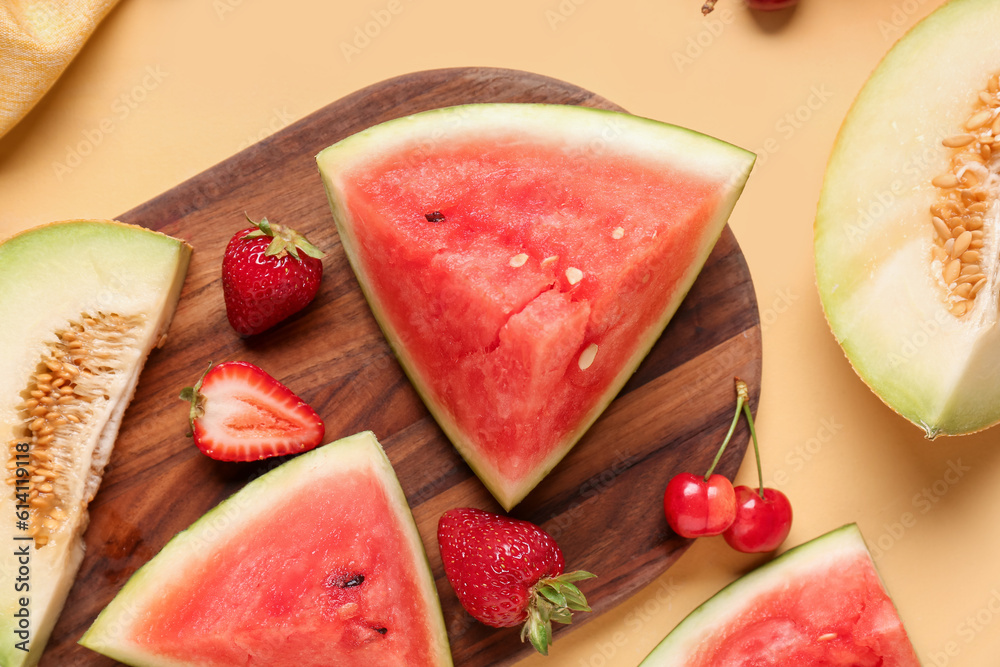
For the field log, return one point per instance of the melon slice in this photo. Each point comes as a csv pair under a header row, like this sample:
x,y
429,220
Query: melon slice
x,y
82,304
906,233
522,259
821,603
318,562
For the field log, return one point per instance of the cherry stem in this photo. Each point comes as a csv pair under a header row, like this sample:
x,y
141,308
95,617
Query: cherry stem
x,y
743,392
740,399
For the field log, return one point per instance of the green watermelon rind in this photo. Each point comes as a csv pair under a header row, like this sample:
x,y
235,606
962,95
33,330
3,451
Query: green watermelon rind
x,y
686,638
668,144
108,634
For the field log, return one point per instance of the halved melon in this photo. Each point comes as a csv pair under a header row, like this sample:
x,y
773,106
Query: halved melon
x,y
522,259
906,233
820,603
318,562
82,304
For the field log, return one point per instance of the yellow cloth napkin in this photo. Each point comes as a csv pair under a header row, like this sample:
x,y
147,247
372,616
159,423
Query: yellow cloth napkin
x,y
38,39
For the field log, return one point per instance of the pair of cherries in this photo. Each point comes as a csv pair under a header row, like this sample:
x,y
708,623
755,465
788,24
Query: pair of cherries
x,y
750,520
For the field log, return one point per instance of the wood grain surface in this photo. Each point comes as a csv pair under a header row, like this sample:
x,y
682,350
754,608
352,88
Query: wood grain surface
x,y
602,503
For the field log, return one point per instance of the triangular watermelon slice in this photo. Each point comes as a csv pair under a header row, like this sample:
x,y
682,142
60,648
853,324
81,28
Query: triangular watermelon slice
x,y
821,603
318,562
522,259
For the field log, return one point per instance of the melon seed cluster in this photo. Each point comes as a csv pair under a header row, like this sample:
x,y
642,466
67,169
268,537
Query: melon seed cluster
x,y
964,200
57,409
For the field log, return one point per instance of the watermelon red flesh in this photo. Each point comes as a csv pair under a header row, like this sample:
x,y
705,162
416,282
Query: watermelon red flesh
x,y
323,575
476,341
823,606
305,609
492,347
826,621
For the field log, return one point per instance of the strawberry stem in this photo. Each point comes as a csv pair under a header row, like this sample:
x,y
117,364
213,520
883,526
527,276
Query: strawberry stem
x,y
285,241
194,396
553,599
741,390
740,399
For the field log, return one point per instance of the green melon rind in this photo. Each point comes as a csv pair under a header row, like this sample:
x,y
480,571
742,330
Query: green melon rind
x,y
683,642
679,147
109,634
893,328
95,264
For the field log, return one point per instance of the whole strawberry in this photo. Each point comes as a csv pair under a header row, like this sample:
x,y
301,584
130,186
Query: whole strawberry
x,y
269,272
507,572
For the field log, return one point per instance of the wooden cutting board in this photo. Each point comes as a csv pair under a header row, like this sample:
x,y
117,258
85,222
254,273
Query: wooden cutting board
x,y
603,503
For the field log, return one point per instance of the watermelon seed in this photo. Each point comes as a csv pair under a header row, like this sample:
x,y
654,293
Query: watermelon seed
x,y
549,260
344,580
382,631
574,275
827,637
587,357
519,260
618,233
434,216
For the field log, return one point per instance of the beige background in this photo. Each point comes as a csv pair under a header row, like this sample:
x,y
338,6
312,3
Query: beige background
x,y
164,90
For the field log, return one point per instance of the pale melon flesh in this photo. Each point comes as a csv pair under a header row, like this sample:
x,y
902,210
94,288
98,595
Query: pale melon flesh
x,y
906,228
82,304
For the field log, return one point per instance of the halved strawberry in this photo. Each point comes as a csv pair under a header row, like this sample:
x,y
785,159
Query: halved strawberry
x,y
240,413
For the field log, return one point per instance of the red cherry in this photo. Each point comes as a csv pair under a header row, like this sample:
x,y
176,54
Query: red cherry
x,y
761,524
699,508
